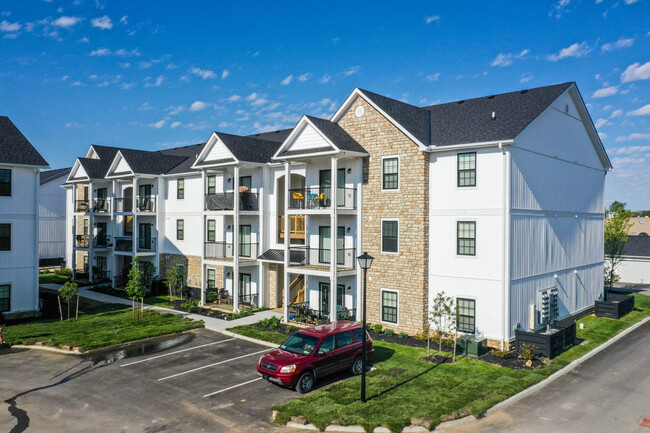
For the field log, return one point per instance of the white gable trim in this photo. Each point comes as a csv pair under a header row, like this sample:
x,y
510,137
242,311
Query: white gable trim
x,y
116,161
356,92
295,133
92,151
73,173
209,145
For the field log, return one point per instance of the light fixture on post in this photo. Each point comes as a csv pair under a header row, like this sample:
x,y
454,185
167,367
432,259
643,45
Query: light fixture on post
x,y
365,261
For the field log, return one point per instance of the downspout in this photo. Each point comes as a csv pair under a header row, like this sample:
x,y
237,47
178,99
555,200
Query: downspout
x,y
505,246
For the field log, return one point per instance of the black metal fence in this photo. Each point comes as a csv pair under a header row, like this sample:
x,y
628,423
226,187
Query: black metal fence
x,y
101,205
145,203
307,256
226,201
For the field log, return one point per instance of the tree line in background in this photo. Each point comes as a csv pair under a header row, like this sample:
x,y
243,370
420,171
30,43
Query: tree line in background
x,y
617,228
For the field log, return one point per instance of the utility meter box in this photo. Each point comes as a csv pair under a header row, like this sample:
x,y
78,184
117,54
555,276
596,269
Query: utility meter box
x,y
471,346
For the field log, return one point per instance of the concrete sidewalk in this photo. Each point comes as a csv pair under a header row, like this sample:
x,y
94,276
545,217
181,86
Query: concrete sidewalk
x,y
211,323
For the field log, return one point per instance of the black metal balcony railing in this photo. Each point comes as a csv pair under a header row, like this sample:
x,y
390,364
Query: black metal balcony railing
x,y
100,275
226,201
123,204
81,206
82,241
321,198
123,243
102,241
224,250
306,256
146,204
146,244
303,313
101,205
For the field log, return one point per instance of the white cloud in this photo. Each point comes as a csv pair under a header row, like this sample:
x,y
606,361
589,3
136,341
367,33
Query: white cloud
x,y
100,52
123,20
126,53
145,107
66,22
175,125
304,77
628,150
159,124
632,137
84,40
6,26
605,91
225,73
325,79
233,98
616,113
432,19
506,59
203,73
601,122
175,109
253,96
287,80
630,2
127,86
155,83
259,101
103,23
525,78
72,125
602,135
573,50
433,77
559,9
198,106
621,43
636,72
351,71
643,111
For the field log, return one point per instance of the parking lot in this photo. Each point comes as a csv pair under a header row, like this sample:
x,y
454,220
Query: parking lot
x,y
200,381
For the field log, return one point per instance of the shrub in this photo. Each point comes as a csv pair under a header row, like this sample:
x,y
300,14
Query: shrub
x,y
527,351
501,353
403,335
378,328
189,305
422,336
271,322
63,271
389,332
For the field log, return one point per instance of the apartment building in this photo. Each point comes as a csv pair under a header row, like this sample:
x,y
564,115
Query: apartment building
x,y
498,201
20,163
51,217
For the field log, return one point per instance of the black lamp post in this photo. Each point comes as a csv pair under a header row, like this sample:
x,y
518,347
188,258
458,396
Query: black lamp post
x,y
365,261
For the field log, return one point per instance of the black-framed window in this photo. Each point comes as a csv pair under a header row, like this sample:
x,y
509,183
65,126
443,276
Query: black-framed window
x,y
246,181
5,298
389,306
86,227
212,278
180,188
467,169
466,315
390,173
466,238
212,230
5,237
5,182
180,230
212,184
389,236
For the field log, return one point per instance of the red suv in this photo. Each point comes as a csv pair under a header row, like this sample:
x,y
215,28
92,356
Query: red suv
x,y
312,353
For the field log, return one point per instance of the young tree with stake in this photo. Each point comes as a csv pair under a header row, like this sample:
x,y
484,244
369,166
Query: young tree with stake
x,y
68,291
617,226
442,317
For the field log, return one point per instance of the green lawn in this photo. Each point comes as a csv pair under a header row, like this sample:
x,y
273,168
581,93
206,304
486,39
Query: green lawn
x,y
52,279
405,386
259,333
109,325
158,301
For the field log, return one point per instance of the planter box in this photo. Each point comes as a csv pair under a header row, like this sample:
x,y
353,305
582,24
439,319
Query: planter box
x,y
550,343
615,307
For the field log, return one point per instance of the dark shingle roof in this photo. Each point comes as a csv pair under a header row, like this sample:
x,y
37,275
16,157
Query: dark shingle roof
x,y
50,175
638,246
95,168
15,148
106,152
189,152
145,162
248,148
278,136
336,134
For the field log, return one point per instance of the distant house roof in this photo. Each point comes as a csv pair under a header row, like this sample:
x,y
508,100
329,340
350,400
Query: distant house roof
x,y
15,148
637,246
50,175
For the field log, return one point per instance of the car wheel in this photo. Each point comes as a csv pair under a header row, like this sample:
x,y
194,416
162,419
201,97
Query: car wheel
x,y
305,383
357,366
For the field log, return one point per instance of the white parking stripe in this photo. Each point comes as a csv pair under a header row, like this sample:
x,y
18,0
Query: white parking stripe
x,y
178,351
231,387
212,365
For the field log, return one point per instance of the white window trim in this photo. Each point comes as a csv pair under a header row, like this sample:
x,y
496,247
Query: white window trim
x,y
466,220
381,306
176,230
11,237
399,166
469,187
11,183
208,268
471,298
184,189
207,229
8,283
381,240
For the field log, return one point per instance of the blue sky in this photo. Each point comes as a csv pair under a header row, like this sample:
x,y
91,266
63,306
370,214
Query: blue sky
x,y
154,74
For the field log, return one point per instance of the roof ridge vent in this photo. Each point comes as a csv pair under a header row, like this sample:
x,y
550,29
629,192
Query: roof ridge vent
x,y
491,96
494,115
460,102
524,91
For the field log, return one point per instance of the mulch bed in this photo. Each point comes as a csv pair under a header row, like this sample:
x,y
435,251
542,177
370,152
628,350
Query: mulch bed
x,y
287,330
513,361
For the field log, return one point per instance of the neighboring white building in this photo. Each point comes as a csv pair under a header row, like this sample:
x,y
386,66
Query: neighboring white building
x,y
19,190
634,267
51,214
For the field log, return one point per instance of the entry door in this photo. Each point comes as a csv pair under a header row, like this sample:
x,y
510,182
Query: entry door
x,y
244,288
244,241
101,234
325,183
144,236
324,296
325,239
102,200
101,267
144,193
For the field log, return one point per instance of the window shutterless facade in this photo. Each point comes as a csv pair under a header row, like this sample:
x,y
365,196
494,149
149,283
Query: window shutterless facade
x,y
466,315
86,227
467,169
180,230
390,236
5,182
466,238
5,237
5,298
390,173
389,306
180,189
212,278
211,230
212,184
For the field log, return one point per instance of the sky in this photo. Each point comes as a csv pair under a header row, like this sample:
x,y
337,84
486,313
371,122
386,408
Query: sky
x,y
158,74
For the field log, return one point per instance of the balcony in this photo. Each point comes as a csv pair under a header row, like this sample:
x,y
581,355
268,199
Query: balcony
x,y
224,250
124,204
146,244
321,257
82,206
145,204
296,226
82,241
101,205
101,275
321,198
102,241
248,201
123,243
302,313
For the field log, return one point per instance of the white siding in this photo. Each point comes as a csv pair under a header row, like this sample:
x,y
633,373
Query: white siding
x,y
122,166
308,138
635,270
218,151
51,233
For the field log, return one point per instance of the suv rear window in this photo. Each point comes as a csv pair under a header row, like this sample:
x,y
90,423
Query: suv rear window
x,y
343,339
358,334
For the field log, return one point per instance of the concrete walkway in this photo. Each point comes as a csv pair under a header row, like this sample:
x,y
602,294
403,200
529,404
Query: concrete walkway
x,y
211,323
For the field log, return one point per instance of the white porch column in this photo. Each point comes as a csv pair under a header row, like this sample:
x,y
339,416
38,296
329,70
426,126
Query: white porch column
x,y
359,246
333,237
134,204
203,238
235,243
91,233
73,265
113,230
261,286
287,239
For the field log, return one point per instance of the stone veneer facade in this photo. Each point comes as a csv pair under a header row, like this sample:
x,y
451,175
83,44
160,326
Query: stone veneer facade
x,y
192,266
405,271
